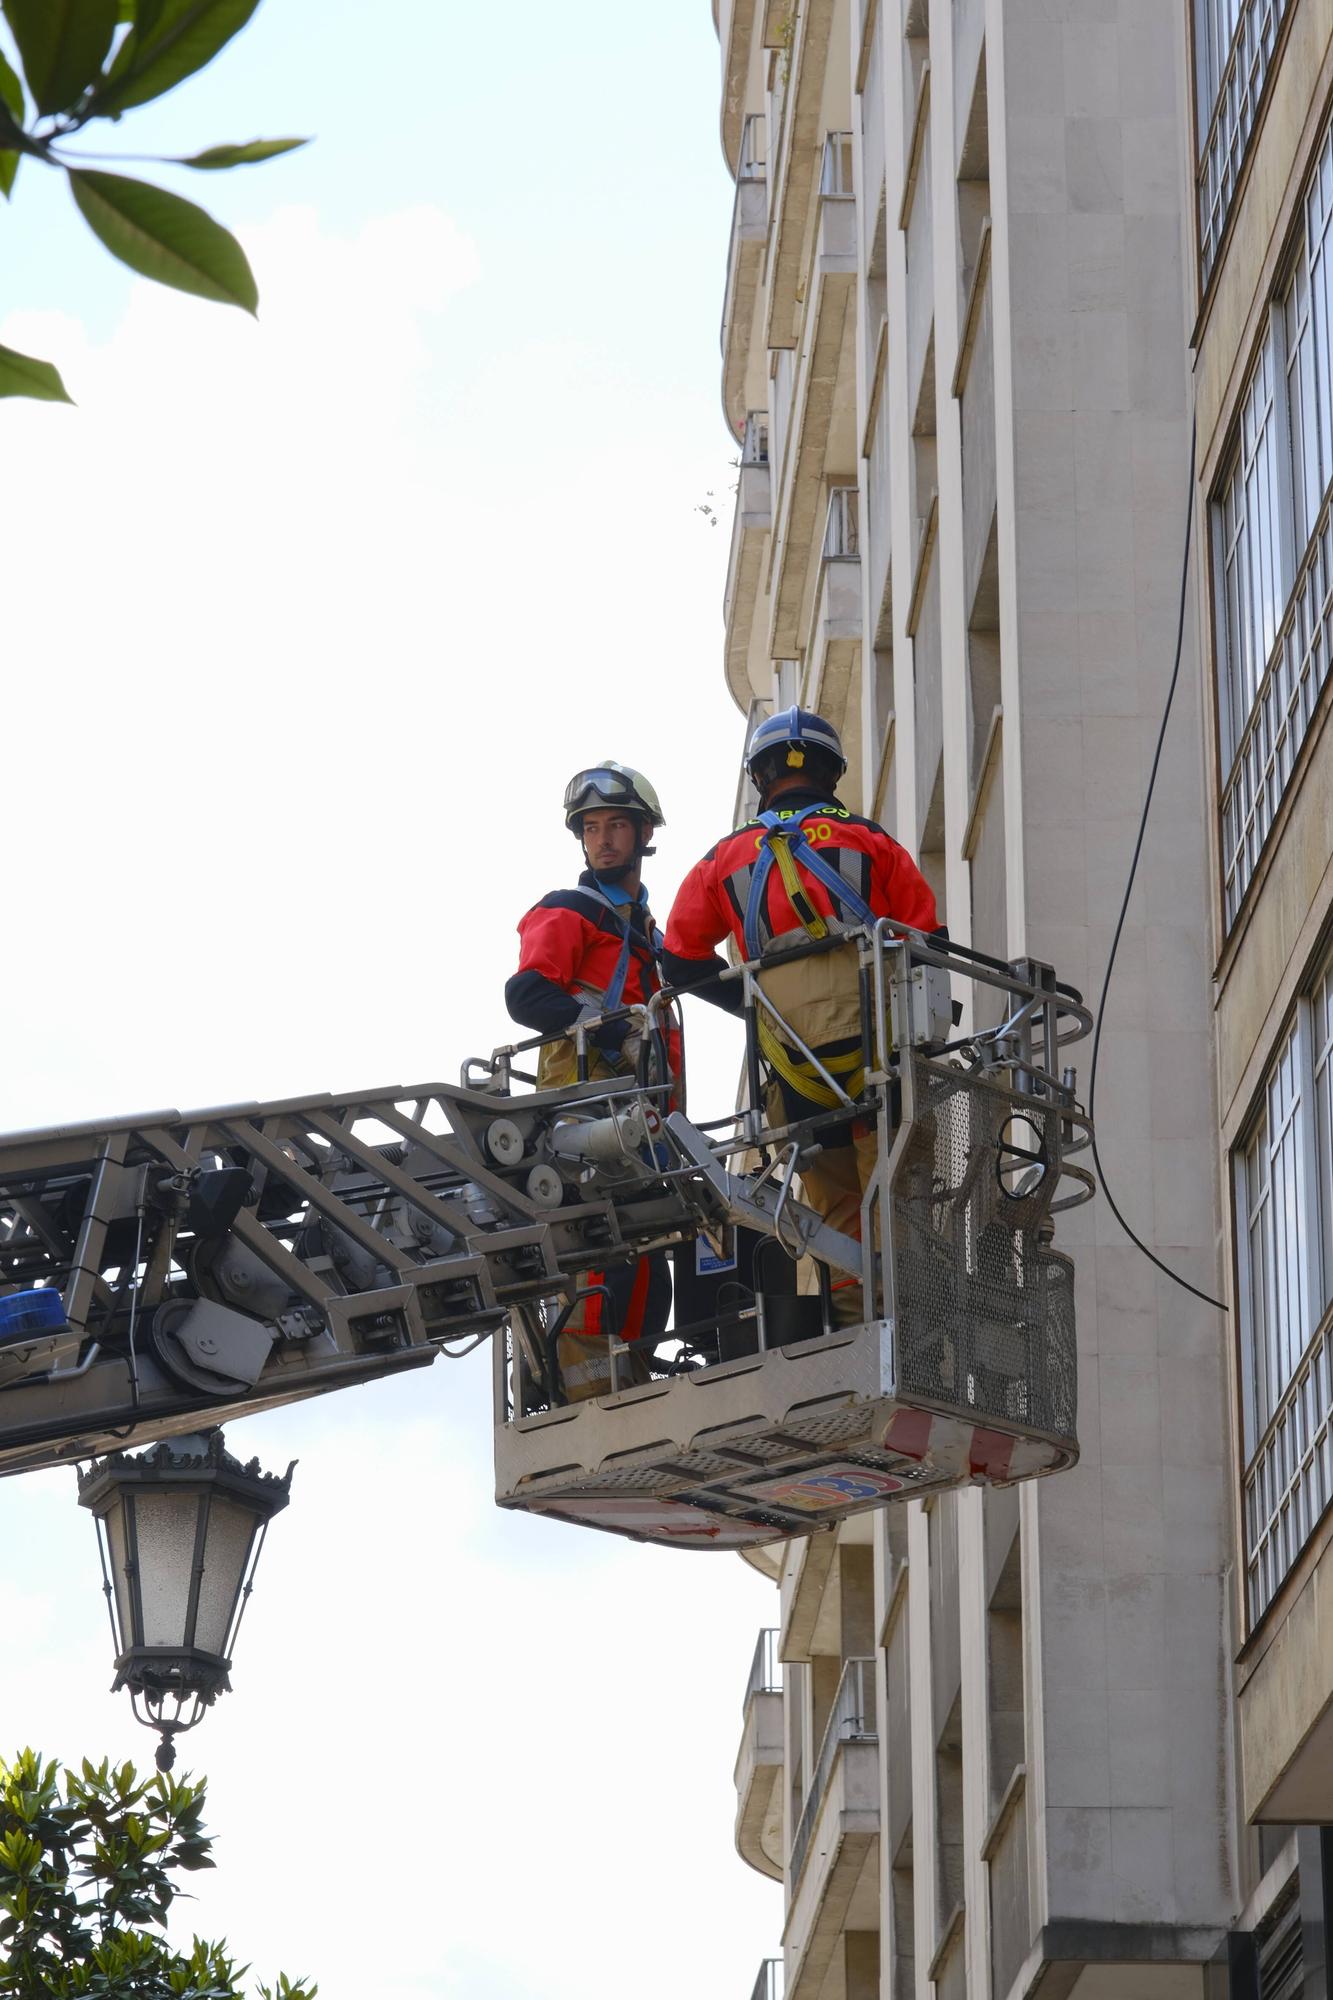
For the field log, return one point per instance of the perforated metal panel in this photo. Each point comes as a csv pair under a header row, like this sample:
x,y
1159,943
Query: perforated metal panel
x,y
983,1310
839,1427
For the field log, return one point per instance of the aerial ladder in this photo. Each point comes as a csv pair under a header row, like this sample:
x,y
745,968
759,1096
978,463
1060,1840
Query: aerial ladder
x,y
171,1272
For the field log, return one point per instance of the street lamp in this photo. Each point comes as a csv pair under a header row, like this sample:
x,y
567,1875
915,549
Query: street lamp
x,y
180,1528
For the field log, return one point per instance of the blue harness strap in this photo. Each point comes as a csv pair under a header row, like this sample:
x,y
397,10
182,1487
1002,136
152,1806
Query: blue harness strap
x,y
800,848
615,991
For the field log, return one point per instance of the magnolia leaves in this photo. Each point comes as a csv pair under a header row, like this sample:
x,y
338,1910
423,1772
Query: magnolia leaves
x,y
82,60
62,45
239,156
168,41
20,375
163,237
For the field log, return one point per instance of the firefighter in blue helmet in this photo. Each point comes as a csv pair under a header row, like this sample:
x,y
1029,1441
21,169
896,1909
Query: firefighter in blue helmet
x,y
805,868
586,951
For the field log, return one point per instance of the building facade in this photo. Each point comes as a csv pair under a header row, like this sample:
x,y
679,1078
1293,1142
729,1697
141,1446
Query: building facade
x,y
991,262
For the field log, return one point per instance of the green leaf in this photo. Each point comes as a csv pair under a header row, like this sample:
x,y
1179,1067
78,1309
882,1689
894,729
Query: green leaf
x,y
62,45
21,375
11,124
11,90
164,237
170,40
240,156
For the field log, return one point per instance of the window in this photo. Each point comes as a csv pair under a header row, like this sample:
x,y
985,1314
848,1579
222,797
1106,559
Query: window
x,y
1309,354
1255,566
1215,24
1274,546
1276,1198
1284,1218
1233,47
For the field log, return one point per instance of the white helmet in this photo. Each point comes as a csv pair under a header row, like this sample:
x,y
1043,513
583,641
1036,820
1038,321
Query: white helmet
x,y
610,784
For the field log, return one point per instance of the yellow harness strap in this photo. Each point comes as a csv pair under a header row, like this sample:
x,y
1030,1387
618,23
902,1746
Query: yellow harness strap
x,y
803,1077
811,921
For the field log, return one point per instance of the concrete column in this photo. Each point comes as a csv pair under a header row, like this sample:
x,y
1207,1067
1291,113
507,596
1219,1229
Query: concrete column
x,y
925,1871
897,394
949,470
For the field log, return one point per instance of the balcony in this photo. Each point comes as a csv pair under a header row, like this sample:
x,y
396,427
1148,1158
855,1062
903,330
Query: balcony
x,y
804,1580
797,167
825,384
834,1867
835,633
749,534
759,1763
745,265
735,28
768,1986
974,386
1005,1853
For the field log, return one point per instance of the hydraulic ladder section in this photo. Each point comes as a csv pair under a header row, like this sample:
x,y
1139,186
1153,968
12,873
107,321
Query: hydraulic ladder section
x,y
211,1263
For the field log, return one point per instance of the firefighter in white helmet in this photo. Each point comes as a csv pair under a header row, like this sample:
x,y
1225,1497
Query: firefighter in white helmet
x,y
584,952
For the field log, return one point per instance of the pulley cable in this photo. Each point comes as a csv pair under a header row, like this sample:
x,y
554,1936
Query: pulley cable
x,y
1133,1236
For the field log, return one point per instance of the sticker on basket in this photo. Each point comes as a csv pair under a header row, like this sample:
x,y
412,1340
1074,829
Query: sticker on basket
x,y
827,1486
714,1254
664,1520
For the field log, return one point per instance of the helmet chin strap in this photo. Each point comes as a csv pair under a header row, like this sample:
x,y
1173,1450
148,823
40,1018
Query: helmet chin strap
x,y
614,874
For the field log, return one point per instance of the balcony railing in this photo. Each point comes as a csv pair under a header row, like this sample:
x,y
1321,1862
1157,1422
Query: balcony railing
x,y
851,1720
770,1985
842,529
836,175
765,1667
1293,679
1289,1481
754,444
752,165
1232,122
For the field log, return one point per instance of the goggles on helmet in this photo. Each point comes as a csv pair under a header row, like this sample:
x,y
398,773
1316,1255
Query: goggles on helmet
x,y
611,787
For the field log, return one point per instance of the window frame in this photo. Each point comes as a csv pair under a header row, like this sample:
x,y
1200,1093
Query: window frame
x,y
1228,113
1284,1374
1257,751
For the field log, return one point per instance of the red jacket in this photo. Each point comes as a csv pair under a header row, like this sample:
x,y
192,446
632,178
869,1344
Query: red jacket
x,y
573,943
710,904
570,947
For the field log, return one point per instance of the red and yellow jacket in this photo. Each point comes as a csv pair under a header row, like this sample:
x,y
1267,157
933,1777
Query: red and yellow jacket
x,y
711,903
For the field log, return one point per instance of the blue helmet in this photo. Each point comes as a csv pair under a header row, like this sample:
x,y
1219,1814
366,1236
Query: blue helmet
x,y
796,730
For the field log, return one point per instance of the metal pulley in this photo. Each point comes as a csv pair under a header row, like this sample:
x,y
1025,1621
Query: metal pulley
x,y
504,1142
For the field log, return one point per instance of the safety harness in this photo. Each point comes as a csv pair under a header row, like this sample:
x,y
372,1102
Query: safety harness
x,y
615,991
785,842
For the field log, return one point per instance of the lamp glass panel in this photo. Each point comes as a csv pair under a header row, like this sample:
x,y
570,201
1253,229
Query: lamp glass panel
x,y
165,1528
117,1557
231,1530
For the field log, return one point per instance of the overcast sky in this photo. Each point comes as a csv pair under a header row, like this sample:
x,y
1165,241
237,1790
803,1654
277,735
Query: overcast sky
x,y
305,624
